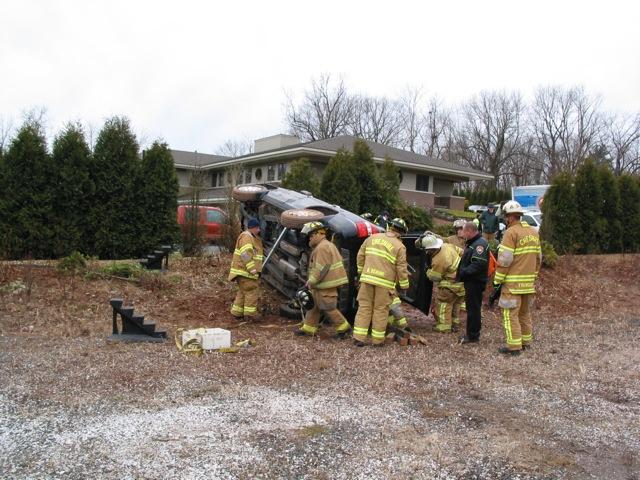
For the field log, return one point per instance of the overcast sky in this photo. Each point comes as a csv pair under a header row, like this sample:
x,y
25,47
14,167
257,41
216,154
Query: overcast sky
x,y
199,73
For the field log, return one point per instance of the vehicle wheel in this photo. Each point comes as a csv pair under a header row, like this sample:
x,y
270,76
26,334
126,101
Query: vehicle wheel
x,y
246,193
297,217
289,312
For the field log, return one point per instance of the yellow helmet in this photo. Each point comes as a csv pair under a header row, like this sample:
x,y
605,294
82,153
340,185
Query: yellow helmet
x,y
309,228
398,224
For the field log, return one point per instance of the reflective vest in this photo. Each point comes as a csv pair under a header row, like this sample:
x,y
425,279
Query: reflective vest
x,y
382,261
247,256
326,269
444,265
519,259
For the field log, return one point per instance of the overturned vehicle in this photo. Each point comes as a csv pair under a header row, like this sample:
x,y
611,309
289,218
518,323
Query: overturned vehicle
x,y
282,214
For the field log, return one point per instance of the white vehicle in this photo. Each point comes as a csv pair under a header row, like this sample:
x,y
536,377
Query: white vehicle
x,y
533,218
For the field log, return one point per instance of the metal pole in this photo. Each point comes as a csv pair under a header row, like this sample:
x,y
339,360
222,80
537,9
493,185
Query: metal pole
x,y
275,245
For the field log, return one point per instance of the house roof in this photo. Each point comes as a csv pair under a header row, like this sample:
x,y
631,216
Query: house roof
x,y
195,159
328,147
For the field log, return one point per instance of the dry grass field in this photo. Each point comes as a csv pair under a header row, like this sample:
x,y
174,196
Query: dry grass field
x,y
73,405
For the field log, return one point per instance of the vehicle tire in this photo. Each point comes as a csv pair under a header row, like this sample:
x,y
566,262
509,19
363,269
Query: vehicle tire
x,y
297,217
247,193
289,312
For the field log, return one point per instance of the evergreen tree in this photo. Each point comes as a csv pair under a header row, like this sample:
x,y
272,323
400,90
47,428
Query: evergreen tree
x,y
71,177
367,178
390,185
27,195
593,225
302,177
630,207
611,241
157,198
560,213
339,184
115,214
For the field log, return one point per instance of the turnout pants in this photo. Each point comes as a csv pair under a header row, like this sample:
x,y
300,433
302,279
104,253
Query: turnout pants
x,y
373,307
473,299
325,302
447,312
396,314
246,301
516,319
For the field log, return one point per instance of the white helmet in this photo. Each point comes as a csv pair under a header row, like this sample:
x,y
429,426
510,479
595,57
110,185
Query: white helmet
x,y
430,242
512,207
459,223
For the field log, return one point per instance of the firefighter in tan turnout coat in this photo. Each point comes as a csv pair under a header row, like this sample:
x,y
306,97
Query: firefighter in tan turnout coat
x,y
246,265
382,264
326,274
445,259
519,260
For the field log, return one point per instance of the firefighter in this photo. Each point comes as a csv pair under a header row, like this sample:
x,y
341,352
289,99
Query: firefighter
x,y
367,216
445,258
326,274
472,271
457,239
382,264
519,260
246,266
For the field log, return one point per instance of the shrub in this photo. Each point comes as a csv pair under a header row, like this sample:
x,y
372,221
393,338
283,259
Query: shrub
x,y
417,218
445,230
549,255
122,269
72,264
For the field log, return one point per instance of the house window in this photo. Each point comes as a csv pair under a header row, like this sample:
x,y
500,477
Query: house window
x,y
271,173
282,169
258,174
217,179
247,175
422,183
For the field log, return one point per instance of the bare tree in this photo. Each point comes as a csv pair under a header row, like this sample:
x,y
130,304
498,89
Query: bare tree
x,y
235,148
491,131
624,143
437,131
412,121
325,111
376,118
567,125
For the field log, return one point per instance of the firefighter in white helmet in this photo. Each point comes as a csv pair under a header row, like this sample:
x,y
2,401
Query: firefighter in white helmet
x,y
445,259
246,266
382,264
326,274
457,239
519,260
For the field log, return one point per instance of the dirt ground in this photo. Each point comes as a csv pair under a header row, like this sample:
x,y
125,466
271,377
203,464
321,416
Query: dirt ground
x,y
73,405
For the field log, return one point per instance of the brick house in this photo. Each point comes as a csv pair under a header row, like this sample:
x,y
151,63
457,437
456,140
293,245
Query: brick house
x,y
424,182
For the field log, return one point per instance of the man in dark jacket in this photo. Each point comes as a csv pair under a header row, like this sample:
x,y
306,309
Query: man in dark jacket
x,y
473,272
489,222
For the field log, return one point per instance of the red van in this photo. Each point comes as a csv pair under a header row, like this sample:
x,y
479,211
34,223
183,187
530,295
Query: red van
x,y
212,219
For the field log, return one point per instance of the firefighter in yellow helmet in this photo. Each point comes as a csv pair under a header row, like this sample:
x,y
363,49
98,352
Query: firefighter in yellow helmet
x,y
445,259
326,274
246,266
382,264
457,239
519,260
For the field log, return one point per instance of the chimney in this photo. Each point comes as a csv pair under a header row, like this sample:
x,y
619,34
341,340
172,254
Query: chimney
x,y
275,141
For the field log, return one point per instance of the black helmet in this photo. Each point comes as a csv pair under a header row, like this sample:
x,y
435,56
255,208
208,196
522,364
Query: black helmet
x,y
304,299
